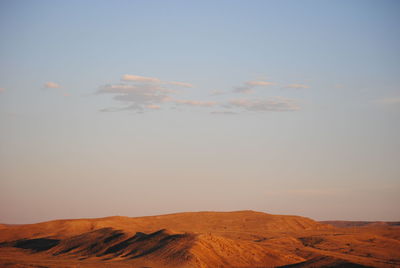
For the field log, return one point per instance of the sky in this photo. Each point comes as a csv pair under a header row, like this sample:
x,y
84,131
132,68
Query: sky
x,y
141,108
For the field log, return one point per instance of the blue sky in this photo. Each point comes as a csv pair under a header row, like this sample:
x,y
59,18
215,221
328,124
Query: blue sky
x,y
146,107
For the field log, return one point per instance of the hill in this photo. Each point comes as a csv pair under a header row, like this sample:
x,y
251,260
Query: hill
x,y
198,222
197,239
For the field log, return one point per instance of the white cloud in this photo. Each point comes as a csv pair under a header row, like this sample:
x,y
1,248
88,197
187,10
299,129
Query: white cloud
x,y
138,97
146,96
297,86
152,93
195,103
142,79
133,89
181,84
248,87
259,83
277,104
51,85
153,80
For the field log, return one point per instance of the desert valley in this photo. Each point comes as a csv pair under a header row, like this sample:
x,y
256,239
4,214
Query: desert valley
x,y
201,239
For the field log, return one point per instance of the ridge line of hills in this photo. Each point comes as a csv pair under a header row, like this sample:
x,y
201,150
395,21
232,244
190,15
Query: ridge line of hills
x,y
200,239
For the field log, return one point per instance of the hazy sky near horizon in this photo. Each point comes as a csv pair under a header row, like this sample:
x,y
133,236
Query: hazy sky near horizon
x,y
149,107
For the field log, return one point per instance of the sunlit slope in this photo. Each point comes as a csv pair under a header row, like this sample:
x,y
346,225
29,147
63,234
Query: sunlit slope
x,y
195,222
198,240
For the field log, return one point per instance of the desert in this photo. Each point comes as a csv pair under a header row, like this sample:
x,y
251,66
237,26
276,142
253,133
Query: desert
x,y
201,239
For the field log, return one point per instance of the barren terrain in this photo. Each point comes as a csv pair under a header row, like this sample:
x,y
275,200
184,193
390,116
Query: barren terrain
x,y
201,239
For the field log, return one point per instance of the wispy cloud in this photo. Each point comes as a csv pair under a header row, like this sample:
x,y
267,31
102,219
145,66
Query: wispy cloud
x,y
181,84
51,85
248,87
142,93
276,104
137,97
153,106
259,83
244,90
195,103
153,80
142,79
147,93
299,86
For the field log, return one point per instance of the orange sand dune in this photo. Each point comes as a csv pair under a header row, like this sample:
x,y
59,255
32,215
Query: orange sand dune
x,y
198,239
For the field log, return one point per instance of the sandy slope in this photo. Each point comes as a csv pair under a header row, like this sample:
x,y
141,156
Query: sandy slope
x,y
201,239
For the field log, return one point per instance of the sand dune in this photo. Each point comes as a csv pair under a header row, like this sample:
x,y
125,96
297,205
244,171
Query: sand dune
x,y
198,239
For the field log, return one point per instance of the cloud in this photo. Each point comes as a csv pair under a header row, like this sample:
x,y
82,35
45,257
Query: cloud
x,y
181,84
276,104
259,83
296,86
142,79
244,90
137,97
51,85
153,106
248,87
152,80
390,101
2,89
133,89
150,95
195,103
223,112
